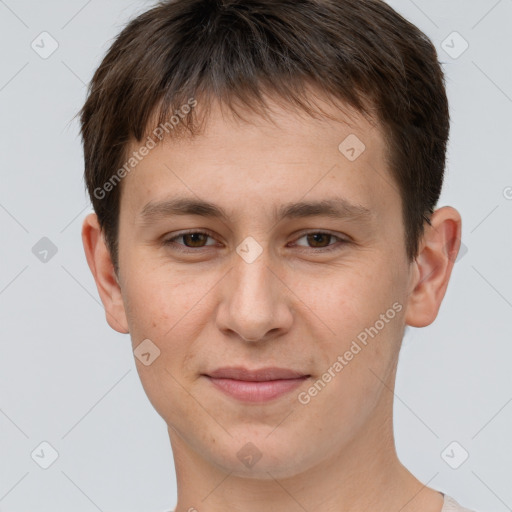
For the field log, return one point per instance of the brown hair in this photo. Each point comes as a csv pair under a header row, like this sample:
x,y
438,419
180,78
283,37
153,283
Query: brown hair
x,y
359,52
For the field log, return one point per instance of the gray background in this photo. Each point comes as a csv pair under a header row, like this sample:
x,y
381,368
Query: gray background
x,y
68,379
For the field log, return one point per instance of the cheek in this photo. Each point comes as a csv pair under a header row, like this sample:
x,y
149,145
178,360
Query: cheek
x,y
171,311
170,314
161,301
361,313
349,299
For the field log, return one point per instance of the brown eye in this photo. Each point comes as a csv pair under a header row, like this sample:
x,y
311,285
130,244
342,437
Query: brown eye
x,y
191,240
194,239
321,240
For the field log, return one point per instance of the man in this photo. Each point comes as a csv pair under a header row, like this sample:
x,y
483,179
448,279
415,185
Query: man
x,y
264,176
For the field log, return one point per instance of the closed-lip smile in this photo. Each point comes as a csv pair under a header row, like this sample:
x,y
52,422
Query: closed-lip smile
x,y
256,385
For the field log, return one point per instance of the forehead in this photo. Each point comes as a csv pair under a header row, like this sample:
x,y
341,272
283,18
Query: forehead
x,y
243,164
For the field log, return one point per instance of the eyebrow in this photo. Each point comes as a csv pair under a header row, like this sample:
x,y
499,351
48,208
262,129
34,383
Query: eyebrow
x,y
335,207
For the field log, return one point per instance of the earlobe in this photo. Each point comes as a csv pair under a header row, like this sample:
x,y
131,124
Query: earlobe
x,y
433,267
100,263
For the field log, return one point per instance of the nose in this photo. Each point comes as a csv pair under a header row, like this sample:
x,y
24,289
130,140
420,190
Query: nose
x,y
254,302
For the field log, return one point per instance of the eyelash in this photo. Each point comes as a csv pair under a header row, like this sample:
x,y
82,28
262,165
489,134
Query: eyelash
x,y
179,247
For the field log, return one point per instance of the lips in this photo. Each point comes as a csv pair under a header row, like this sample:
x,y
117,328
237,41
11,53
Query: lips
x,y
263,374
256,385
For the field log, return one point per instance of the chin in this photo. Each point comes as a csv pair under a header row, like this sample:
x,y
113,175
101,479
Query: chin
x,y
263,458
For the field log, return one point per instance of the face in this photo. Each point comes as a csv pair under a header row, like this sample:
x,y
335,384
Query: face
x,y
266,278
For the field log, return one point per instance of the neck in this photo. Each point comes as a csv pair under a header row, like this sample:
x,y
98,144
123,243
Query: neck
x,y
364,474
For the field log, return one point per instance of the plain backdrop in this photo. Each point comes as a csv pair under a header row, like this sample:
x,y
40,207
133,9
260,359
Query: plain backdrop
x,y
69,380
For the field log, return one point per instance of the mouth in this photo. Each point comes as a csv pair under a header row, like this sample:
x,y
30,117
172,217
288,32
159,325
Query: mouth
x,y
256,385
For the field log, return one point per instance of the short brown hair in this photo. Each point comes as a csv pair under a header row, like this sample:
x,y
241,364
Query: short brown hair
x,y
361,52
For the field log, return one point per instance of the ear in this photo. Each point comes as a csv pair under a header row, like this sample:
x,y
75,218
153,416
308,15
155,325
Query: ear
x,y
433,267
100,263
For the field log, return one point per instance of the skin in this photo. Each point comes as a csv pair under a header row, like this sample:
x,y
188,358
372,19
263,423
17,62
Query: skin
x,y
294,306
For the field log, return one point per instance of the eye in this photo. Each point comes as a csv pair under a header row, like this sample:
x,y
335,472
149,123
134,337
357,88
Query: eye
x,y
192,240
320,240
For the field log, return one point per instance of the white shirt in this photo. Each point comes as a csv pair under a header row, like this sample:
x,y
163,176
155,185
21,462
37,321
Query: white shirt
x,y
450,505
